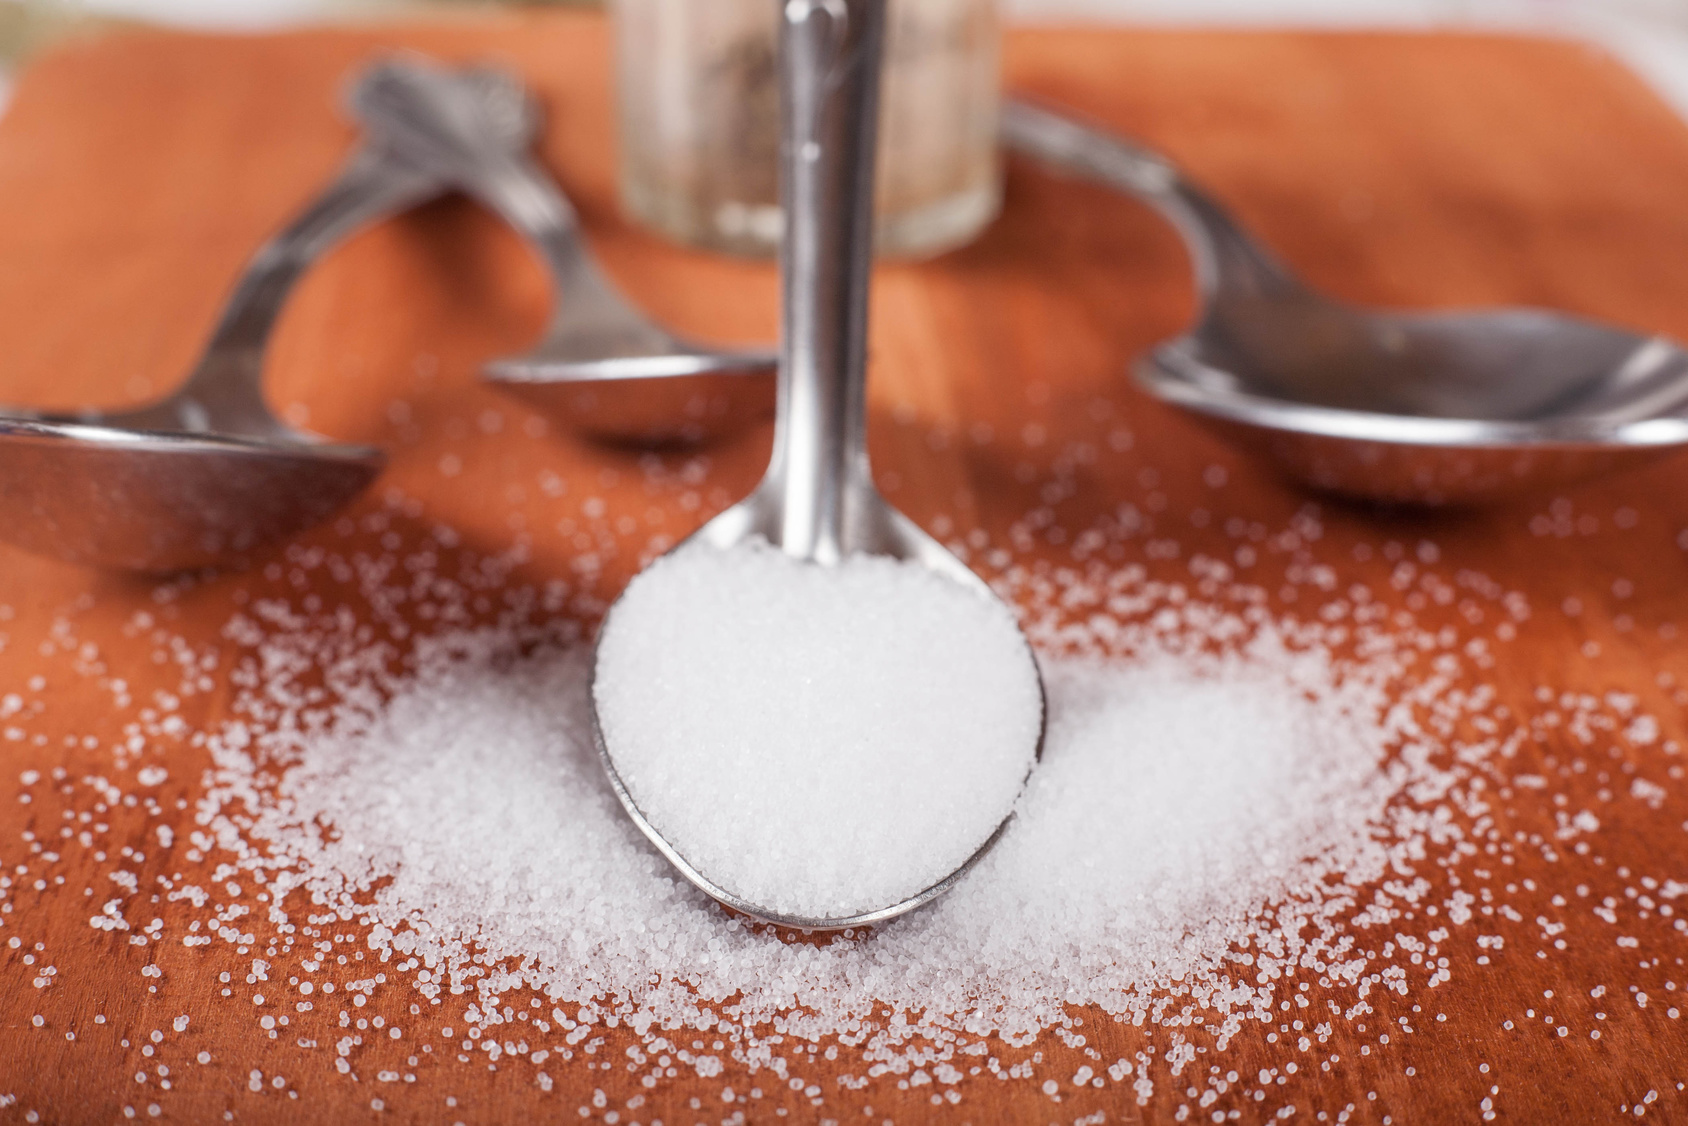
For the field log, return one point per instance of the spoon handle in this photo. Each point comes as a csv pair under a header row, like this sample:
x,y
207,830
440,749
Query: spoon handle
x,y
1061,140
476,127
1226,259
590,314
224,392
830,56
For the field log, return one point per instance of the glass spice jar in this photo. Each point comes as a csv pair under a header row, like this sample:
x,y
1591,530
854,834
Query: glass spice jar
x,y
700,122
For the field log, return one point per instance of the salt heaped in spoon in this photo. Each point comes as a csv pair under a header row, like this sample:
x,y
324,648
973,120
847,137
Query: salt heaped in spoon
x,y
821,741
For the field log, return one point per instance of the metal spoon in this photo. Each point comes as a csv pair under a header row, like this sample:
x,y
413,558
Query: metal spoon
x,y
818,501
602,364
207,473
1426,408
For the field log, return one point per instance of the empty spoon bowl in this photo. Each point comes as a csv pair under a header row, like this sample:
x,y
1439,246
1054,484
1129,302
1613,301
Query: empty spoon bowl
x,y
1420,408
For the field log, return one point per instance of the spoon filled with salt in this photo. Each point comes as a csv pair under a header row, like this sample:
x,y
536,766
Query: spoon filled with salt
x,y
815,711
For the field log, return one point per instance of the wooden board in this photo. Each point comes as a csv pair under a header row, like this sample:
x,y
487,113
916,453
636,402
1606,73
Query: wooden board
x,y
136,174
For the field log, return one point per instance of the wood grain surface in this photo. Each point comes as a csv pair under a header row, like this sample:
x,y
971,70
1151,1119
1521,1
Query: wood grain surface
x,y
137,173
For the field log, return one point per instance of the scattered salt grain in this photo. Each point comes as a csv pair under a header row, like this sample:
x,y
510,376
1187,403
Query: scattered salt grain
x,y
1241,815
821,742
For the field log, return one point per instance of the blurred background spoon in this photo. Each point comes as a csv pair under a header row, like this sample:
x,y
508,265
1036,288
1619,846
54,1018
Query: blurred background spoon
x,y
602,365
1423,408
208,473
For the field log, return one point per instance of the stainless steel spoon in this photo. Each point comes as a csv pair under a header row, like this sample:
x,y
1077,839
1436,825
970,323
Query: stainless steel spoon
x,y
602,364
818,501
207,473
1426,408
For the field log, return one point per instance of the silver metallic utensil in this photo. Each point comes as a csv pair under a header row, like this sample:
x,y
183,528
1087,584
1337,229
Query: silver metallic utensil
x,y
209,472
1423,408
602,365
817,501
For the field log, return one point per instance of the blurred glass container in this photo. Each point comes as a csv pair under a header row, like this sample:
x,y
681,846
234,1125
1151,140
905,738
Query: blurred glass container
x,y
699,109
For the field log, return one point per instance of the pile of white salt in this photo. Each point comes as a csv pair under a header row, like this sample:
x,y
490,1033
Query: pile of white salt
x,y
819,742
1233,809
1179,796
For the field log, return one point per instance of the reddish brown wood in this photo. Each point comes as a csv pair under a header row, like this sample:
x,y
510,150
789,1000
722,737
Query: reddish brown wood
x,y
136,173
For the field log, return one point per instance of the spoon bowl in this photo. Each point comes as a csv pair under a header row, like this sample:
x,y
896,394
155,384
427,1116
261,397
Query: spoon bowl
x,y
817,502
1416,408
109,495
688,404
